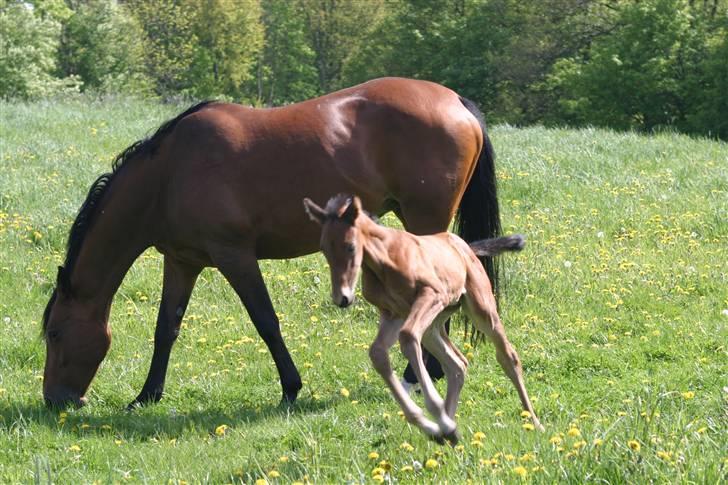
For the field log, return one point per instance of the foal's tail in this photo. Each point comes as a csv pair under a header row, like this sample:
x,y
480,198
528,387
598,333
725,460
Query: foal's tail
x,y
478,216
495,246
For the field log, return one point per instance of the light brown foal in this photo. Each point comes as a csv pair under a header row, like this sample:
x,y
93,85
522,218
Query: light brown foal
x,y
417,282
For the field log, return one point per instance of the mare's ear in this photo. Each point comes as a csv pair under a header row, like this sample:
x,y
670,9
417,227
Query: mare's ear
x,y
316,213
63,283
352,211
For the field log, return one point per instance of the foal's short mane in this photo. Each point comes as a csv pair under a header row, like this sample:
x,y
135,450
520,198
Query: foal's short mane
x,y
141,148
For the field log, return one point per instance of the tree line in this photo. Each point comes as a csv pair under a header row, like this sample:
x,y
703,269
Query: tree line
x,y
625,64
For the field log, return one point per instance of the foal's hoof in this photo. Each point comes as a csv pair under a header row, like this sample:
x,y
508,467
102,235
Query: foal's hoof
x,y
452,437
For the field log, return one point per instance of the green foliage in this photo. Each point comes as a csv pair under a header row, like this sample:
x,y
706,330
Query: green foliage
x,y
642,75
28,43
103,45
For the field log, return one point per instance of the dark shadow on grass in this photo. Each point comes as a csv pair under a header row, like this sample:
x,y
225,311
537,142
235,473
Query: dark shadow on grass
x,y
153,420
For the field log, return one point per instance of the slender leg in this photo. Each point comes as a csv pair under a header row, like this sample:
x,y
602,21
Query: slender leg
x,y
243,274
439,345
379,355
484,315
423,312
177,287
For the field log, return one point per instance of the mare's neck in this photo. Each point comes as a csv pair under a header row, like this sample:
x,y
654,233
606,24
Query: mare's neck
x,y
121,230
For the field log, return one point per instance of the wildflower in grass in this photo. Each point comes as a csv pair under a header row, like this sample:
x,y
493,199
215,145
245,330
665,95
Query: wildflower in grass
x,y
476,443
261,481
386,465
664,455
221,430
378,478
598,442
520,471
273,474
407,469
373,455
574,432
702,430
74,448
525,414
378,471
688,395
406,447
431,464
527,426
479,436
555,440
634,445
527,457
579,444
344,392
283,459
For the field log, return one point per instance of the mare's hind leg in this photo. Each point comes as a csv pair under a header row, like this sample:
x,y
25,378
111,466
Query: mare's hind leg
x,y
481,307
179,279
379,355
243,274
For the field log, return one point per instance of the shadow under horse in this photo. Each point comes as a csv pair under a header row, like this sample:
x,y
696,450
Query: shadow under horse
x,y
221,185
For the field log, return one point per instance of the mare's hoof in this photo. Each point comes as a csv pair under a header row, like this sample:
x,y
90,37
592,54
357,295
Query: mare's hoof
x,y
143,400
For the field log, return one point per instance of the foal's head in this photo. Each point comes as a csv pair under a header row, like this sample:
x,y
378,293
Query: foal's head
x,y
340,243
77,339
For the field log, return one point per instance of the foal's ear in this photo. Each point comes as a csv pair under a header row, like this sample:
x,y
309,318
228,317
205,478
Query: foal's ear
x,y
352,211
316,213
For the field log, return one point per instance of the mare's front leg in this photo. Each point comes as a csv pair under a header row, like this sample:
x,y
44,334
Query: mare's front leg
x,y
423,312
243,273
179,279
379,354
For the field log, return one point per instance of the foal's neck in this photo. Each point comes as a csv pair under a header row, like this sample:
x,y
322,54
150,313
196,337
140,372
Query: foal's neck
x,y
376,242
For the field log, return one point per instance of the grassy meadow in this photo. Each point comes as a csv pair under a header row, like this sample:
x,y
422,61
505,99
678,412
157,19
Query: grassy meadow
x,y
618,307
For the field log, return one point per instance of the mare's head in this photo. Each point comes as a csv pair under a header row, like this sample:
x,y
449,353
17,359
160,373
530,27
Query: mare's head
x,y
340,243
77,338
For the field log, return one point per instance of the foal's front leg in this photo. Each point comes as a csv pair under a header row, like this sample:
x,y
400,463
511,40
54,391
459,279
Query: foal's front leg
x,y
379,354
423,312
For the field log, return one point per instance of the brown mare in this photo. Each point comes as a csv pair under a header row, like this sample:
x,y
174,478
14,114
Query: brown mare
x,y
417,282
221,185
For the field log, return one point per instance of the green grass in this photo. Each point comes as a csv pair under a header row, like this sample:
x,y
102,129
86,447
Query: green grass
x,y
617,307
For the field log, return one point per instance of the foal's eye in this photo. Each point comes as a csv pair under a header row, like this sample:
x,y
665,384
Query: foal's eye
x,y
350,247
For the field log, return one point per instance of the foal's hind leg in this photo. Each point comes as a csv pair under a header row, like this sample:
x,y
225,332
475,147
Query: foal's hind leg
x,y
379,355
179,279
481,306
438,344
424,310
243,273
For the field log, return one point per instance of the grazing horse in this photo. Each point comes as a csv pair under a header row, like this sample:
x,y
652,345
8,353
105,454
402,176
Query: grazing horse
x,y
220,186
417,282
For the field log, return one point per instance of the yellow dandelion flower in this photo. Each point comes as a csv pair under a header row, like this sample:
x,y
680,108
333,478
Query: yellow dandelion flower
x,y
378,478
579,444
525,414
74,448
634,445
283,459
431,464
273,474
702,430
574,432
688,395
261,481
378,471
520,471
406,447
344,392
664,455
373,455
598,442
386,465
476,443
527,426
555,440
479,436
221,430
407,469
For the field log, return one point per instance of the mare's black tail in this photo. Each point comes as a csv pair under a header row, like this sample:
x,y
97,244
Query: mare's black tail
x,y
478,216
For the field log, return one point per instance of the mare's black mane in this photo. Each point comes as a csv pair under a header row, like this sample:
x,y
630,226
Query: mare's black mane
x,y
145,147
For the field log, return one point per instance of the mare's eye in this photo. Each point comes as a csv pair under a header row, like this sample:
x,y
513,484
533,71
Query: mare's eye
x,y
350,247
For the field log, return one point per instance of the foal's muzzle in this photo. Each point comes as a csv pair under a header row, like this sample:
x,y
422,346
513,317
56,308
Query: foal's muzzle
x,y
345,301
